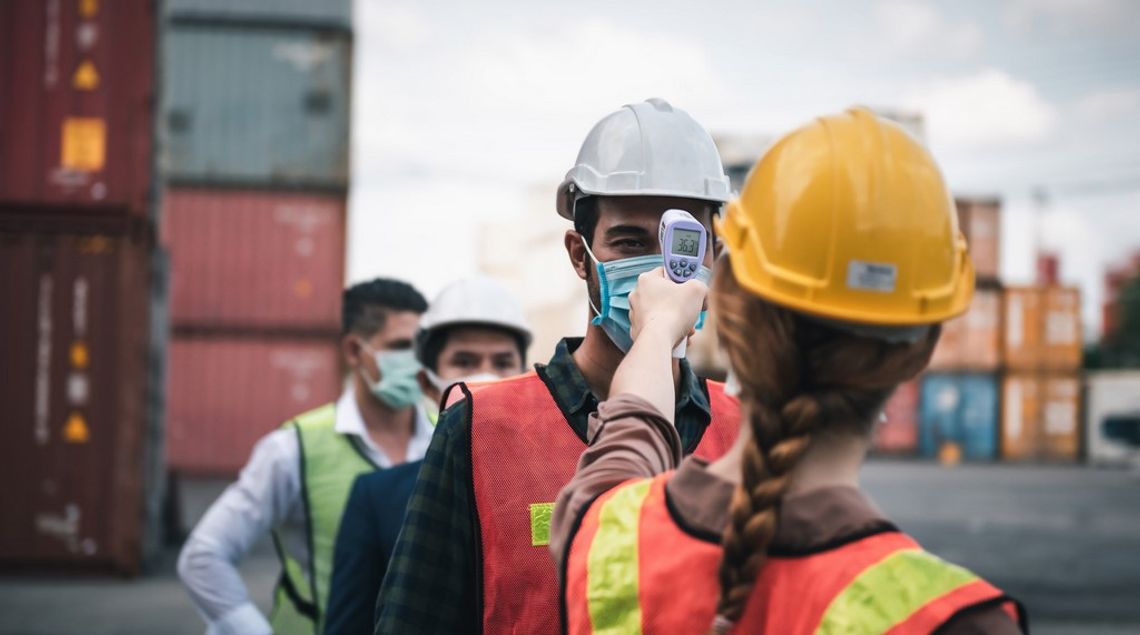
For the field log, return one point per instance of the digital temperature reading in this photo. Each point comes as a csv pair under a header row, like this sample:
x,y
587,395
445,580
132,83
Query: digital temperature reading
x,y
686,242
683,242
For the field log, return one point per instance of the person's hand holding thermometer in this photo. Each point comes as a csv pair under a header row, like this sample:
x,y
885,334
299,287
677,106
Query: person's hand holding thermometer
x,y
657,297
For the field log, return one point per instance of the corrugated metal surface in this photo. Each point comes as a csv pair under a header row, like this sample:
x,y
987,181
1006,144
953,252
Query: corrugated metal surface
x,y
1022,341
980,221
1040,416
1042,328
73,357
333,12
959,408
1112,417
972,341
256,105
1062,329
76,102
898,434
249,258
224,393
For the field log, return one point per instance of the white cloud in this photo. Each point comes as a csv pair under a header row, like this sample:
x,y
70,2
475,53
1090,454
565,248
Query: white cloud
x,y
1107,104
583,67
916,27
513,104
986,110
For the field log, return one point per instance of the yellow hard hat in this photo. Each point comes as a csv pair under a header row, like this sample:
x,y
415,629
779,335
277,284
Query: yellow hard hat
x,y
848,219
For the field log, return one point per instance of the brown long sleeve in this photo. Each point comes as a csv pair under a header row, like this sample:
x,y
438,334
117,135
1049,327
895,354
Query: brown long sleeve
x,y
629,438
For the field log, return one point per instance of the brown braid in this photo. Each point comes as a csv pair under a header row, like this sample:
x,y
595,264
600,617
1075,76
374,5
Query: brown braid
x,y
798,378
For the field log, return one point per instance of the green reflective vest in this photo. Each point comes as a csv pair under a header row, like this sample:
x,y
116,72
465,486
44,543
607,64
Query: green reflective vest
x,y
330,462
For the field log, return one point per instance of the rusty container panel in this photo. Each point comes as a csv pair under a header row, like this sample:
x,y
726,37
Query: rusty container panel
x,y
77,94
226,392
980,221
1040,416
1021,341
73,357
1060,416
972,341
1021,416
1061,331
255,259
898,432
1042,328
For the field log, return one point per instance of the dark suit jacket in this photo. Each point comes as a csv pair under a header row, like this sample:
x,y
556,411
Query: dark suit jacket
x,y
368,531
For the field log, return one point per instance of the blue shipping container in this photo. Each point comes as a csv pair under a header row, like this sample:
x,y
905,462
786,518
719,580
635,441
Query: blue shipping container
x,y
330,12
961,408
256,106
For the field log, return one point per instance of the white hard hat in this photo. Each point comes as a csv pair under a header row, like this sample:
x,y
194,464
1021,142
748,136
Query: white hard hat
x,y
478,300
646,149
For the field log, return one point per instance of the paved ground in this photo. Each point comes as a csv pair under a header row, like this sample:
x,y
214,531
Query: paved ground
x,y
1064,540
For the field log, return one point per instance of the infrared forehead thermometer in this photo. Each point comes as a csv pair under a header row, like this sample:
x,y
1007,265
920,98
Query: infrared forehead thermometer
x,y
683,242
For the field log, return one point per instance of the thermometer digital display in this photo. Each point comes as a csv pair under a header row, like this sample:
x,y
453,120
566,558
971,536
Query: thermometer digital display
x,y
683,242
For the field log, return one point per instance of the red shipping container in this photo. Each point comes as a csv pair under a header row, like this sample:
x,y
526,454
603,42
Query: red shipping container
x,y
898,434
255,259
74,342
77,101
1048,269
226,392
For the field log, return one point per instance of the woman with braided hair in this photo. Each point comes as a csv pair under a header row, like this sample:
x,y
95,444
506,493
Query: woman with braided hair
x,y
843,257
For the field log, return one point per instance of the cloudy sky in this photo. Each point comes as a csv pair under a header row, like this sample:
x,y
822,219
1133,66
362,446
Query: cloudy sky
x,y
461,108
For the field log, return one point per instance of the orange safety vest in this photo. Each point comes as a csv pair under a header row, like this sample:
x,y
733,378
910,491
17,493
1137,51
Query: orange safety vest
x,y
523,451
632,569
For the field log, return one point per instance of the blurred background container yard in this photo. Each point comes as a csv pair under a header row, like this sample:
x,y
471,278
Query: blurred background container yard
x,y
81,373
186,186
255,119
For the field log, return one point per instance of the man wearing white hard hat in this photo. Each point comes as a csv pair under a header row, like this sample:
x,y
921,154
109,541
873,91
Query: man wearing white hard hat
x,y
473,332
471,556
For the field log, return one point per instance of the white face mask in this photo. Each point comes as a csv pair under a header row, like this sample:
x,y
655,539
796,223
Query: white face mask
x,y
731,384
442,384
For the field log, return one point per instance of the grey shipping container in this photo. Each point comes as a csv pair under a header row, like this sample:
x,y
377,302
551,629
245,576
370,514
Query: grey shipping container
x,y
73,356
256,106
331,12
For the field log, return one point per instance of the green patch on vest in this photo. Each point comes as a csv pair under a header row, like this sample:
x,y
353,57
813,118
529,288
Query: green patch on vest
x,y
540,514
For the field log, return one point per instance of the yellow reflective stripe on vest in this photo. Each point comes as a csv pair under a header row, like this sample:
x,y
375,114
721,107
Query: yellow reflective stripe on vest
x,y
890,591
612,563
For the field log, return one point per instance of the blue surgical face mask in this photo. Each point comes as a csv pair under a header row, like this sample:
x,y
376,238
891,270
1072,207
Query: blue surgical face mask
x,y
398,386
616,280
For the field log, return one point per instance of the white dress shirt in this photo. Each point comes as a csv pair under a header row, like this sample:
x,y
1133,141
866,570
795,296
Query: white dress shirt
x,y
266,496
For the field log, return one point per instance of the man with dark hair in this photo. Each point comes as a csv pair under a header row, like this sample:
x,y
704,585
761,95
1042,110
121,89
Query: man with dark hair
x,y
298,477
471,556
474,332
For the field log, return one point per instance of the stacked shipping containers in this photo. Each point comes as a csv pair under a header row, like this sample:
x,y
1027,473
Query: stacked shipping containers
x,y
958,403
80,448
256,118
1042,386
1004,380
